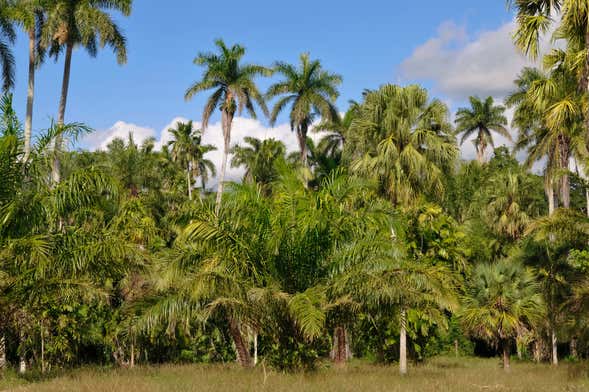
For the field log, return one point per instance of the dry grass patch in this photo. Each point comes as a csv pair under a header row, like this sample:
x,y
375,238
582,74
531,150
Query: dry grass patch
x,y
442,374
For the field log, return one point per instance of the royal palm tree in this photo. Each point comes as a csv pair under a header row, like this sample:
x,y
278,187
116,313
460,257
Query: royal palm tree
x,y
29,14
188,151
310,91
7,37
234,89
481,118
84,23
403,140
259,158
501,299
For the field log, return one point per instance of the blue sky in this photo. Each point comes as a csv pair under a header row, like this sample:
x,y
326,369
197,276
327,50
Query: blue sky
x,y
441,44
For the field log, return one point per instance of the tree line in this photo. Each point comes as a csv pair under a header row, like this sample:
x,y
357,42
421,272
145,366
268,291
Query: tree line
x,y
377,241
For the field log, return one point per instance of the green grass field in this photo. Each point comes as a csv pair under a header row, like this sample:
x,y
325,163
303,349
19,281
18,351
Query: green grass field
x,y
442,374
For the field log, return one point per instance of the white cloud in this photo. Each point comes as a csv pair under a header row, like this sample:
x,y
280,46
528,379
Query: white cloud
x,y
460,64
242,127
101,139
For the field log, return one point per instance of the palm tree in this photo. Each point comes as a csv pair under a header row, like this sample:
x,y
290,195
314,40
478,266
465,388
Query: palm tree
x,y
337,130
310,91
7,37
403,140
234,90
529,120
29,14
501,299
481,118
555,98
85,23
506,211
259,159
188,151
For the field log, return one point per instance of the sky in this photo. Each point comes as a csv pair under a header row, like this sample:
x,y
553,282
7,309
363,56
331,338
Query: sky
x,y
455,48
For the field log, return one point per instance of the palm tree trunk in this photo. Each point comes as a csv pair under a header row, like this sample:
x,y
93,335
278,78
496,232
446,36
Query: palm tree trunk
x,y
565,190
132,353
255,348
226,120
188,182
2,352
30,92
587,199
554,347
573,345
537,350
480,154
243,354
302,138
340,343
22,359
56,168
403,343
506,363
550,196
42,349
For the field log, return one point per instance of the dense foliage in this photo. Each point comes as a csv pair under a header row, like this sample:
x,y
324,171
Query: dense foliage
x,y
378,241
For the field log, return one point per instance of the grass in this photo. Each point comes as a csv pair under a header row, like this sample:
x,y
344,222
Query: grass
x,y
441,374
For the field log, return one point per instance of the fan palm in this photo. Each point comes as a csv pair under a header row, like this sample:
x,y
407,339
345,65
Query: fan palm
x,y
85,23
7,37
310,91
403,140
501,299
234,89
481,118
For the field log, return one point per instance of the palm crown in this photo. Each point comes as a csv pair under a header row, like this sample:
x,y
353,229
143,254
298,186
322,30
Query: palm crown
x,y
482,118
310,91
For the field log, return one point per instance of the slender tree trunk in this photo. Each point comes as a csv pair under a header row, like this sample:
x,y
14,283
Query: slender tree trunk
x,y
42,349
302,138
587,199
550,196
554,347
243,354
2,351
255,348
226,120
456,347
518,346
22,358
340,354
188,182
132,354
506,363
403,344
30,92
565,190
56,168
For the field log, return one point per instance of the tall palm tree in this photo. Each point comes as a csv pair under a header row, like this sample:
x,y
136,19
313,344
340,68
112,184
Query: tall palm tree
x,y
482,118
234,89
29,14
501,299
555,98
188,151
404,140
259,159
85,23
7,37
310,91
528,119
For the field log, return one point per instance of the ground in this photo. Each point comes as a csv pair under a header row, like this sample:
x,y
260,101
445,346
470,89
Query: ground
x,y
441,374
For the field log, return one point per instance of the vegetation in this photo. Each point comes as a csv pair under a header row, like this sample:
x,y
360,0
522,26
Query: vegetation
x,y
376,242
